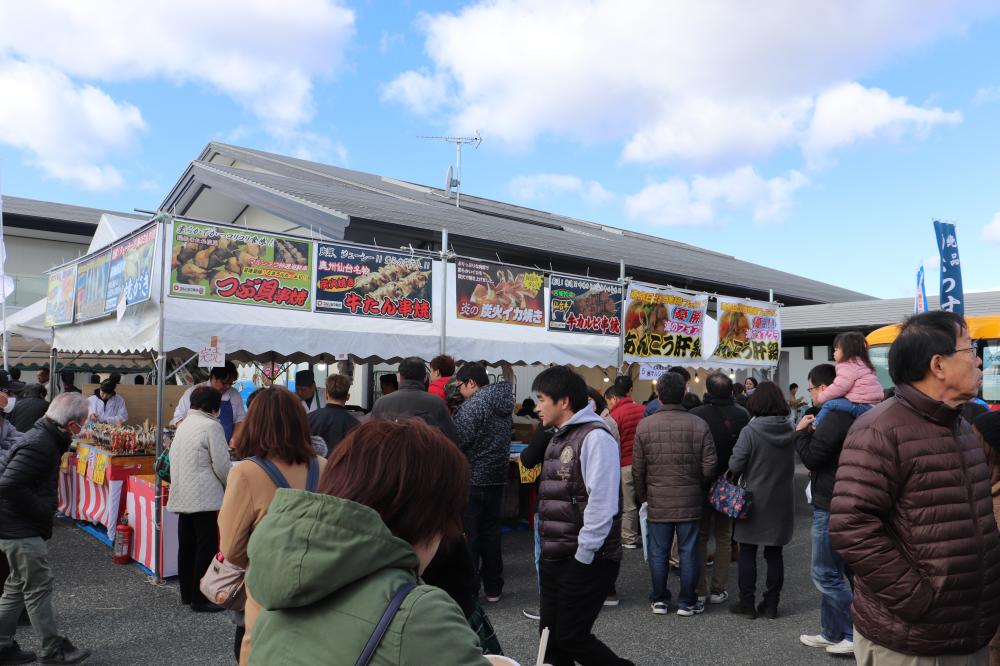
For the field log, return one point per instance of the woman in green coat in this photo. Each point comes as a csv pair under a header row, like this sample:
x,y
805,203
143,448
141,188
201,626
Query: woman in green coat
x,y
325,566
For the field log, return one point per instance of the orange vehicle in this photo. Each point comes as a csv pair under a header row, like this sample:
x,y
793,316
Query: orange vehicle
x,y
985,333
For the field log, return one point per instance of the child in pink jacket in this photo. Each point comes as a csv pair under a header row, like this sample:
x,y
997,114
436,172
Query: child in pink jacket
x,y
856,388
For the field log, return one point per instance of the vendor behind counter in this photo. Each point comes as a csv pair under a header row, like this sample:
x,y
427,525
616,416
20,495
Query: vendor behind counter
x,y
106,406
232,410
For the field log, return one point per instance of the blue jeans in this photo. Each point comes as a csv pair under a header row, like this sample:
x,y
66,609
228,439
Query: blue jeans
x,y
855,409
538,555
829,577
661,538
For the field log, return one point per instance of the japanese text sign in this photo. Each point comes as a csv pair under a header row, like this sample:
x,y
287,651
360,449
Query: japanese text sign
x,y
131,270
61,297
92,286
487,291
370,282
232,265
582,305
663,325
749,333
952,296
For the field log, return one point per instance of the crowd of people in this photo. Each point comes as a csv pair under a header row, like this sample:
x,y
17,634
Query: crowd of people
x,y
340,526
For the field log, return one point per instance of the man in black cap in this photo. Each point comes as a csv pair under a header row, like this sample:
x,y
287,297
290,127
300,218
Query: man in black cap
x,y
305,388
8,387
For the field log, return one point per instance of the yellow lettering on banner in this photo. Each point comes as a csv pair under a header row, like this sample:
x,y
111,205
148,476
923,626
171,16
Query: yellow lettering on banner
x,y
528,475
81,460
100,466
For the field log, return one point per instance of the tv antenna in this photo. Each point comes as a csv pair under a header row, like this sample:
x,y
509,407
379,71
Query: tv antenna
x,y
453,179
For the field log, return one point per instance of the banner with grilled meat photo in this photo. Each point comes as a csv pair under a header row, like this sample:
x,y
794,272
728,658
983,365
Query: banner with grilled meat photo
x,y
234,265
370,282
488,291
582,305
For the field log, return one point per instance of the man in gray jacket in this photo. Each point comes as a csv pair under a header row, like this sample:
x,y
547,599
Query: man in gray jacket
x,y
673,461
412,399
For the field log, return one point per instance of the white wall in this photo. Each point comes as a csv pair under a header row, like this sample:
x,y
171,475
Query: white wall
x,y
797,368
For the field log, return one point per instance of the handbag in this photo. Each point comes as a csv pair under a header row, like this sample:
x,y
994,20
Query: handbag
x,y
223,581
378,633
480,623
730,498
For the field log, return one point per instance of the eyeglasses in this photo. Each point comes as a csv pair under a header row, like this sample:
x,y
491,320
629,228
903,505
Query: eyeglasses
x,y
812,388
971,350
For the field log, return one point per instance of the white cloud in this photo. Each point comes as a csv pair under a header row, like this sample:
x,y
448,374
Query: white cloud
x,y
544,185
423,93
986,95
65,128
390,40
671,80
707,201
851,113
991,232
262,53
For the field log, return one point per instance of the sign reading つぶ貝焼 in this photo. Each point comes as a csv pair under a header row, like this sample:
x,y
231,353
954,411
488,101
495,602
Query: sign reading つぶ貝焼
x,y
663,325
749,332
582,305
370,282
231,265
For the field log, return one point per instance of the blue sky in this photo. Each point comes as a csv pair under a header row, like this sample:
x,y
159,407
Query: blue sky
x,y
815,138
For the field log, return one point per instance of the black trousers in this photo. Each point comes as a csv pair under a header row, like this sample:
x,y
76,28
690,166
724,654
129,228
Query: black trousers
x,y
572,596
481,522
197,544
748,574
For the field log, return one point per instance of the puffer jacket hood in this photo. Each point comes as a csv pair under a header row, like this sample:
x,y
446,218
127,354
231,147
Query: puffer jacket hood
x,y
310,546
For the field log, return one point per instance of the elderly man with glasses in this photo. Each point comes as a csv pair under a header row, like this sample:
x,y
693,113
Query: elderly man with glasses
x,y
232,411
912,512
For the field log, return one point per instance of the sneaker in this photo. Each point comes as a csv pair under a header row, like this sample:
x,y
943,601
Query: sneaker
x,y
630,546
493,598
531,614
687,611
66,654
611,599
702,598
660,608
13,654
710,562
816,641
844,647
718,597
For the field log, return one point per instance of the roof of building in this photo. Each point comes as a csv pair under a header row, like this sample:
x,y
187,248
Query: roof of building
x,y
869,315
56,211
328,198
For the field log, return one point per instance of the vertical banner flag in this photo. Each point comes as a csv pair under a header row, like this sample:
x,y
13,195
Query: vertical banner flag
x,y
663,325
749,333
488,291
920,300
952,297
582,305
370,282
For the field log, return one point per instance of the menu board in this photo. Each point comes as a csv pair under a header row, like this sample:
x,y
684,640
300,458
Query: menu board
x,y
131,269
92,286
61,296
582,305
487,291
369,282
231,265
749,332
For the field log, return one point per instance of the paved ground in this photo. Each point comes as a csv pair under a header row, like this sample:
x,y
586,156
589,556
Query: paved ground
x,y
126,620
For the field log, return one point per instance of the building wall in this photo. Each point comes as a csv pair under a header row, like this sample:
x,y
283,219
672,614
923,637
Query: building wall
x,y
795,368
28,259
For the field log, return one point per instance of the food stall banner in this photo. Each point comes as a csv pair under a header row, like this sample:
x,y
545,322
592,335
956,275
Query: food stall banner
x,y
92,286
232,265
663,325
492,292
952,296
582,305
749,333
131,269
61,296
370,282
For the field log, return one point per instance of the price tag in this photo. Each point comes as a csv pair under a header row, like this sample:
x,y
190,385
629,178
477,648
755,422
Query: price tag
x,y
99,468
82,454
91,458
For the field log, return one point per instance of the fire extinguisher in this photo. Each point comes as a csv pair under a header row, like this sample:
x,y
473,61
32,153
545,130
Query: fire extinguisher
x,y
122,549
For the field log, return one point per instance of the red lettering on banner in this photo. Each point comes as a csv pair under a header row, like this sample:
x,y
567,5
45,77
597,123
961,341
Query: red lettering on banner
x,y
260,291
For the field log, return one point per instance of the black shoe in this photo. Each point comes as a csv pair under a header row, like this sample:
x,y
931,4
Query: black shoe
x,y
770,612
13,654
23,620
747,611
67,654
206,607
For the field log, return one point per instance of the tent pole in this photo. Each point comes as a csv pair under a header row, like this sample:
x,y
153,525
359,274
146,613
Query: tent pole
x,y
53,372
161,382
444,290
621,341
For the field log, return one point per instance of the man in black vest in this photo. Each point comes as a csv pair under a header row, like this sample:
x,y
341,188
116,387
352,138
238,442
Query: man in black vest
x,y
579,513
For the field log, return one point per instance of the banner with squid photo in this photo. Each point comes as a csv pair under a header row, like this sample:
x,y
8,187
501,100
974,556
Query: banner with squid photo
x,y
749,333
663,325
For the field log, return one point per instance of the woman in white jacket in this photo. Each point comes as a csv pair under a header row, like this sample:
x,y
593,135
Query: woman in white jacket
x,y
199,466
106,406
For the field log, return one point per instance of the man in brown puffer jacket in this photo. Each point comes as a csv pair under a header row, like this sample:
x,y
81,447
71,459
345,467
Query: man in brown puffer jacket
x,y
912,512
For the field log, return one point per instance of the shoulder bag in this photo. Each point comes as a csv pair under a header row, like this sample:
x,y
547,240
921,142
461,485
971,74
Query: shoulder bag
x,y
730,498
223,582
366,656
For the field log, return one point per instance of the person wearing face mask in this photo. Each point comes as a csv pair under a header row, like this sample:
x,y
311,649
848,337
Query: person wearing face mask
x,y
107,406
199,468
29,479
8,433
31,406
232,413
